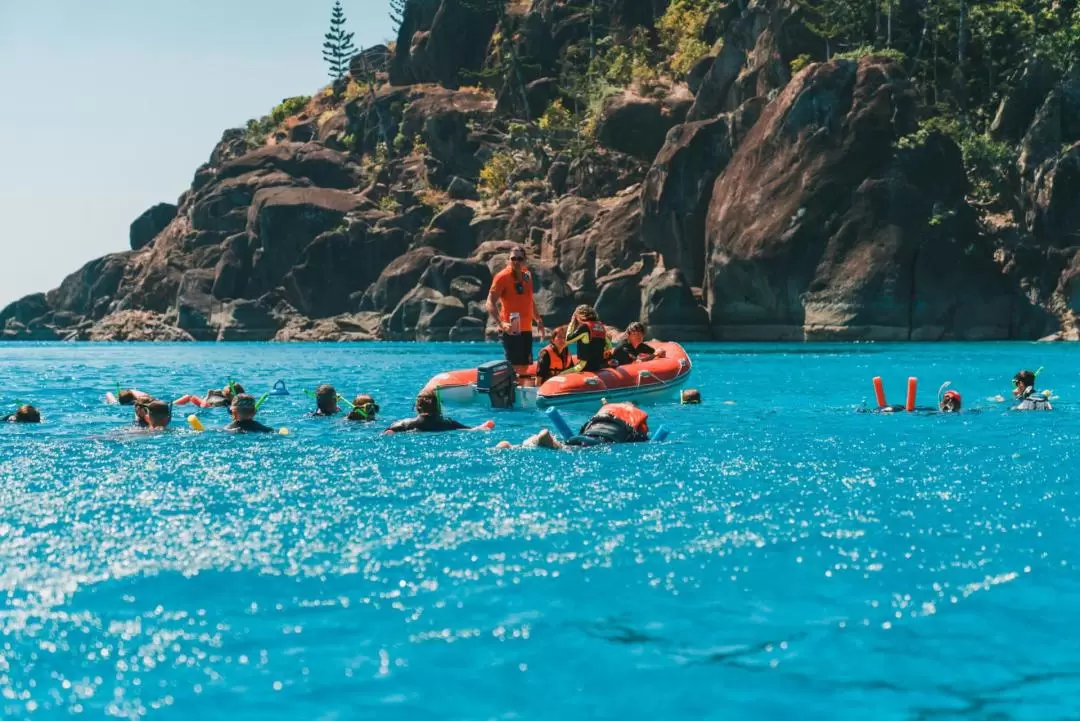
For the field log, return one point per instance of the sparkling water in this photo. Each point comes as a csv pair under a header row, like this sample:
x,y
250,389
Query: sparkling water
x,y
780,556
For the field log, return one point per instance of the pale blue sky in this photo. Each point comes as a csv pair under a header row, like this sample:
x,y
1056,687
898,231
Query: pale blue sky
x,y
107,107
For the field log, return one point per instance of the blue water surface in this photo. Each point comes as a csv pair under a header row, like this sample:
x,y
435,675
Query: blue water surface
x,y
779,557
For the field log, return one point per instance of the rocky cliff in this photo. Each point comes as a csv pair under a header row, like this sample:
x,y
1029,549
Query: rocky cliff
x,y
735,200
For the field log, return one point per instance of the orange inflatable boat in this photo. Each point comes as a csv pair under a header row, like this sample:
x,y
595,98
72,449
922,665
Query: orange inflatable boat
x,y
656,379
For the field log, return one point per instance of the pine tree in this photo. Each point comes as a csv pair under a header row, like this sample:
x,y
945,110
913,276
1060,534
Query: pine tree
x,y
338,48
397,15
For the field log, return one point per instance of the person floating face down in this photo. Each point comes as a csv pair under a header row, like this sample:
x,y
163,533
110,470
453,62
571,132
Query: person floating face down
x,y
364,408
129,396
243,416
23,414
1024,392
593,345
512,305
429,418
326,401
214,398
613,423
690,397
950,402
634,349
153,414
555,357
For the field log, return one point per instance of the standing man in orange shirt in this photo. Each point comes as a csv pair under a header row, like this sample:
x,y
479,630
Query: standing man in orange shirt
x,y
510,302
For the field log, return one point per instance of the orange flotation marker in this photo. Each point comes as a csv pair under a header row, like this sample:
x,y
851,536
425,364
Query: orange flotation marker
x,y
879,392
912,387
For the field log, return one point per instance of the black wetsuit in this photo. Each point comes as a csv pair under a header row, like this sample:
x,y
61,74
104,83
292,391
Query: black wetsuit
x,y
428,423
321,414
593,352
249,426
626,353
605,429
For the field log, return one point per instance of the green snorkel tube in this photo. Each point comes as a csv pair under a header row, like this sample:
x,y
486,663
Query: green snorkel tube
x,y
259,402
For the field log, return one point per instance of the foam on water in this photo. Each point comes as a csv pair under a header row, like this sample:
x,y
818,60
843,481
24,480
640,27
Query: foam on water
x,y
781,556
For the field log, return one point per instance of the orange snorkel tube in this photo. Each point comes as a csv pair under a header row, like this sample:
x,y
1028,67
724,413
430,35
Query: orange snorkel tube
x,y
879,392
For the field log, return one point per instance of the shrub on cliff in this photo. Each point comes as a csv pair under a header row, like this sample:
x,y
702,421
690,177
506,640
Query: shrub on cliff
x,y
681,29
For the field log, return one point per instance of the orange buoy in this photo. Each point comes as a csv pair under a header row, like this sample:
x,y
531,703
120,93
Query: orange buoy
x,y
879,391
912,387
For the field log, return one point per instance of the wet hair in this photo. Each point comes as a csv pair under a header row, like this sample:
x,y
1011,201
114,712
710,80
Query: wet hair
x,y
690,396
586,312
1026,378
635,327
158,409
360,401
244,402
427,404
126,397
232,388
326,397
27,414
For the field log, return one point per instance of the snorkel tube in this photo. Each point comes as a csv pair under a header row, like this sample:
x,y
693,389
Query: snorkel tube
x,y
560,423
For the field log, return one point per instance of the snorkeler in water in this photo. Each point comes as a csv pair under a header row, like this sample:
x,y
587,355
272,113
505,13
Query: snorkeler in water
x,y
429,418
23,414
214,398
1024,392
613,423
364,408
152,414
243,411
326,401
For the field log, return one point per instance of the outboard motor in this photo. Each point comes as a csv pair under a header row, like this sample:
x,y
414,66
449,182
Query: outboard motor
x,y
498,380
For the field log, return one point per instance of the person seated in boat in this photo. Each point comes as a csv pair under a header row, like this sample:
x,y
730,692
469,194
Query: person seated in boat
x,y
326,401
593,345
243,415
364,408
613,423
690,397
24,414
152,414
634,349
129,396
429,418
1024,392
214,398
555,357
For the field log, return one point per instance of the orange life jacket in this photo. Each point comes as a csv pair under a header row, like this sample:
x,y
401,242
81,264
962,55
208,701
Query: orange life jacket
x,y
557,362
629,414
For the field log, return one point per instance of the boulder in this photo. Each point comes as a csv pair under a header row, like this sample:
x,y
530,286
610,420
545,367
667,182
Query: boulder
x,y
443,271
90,290
247,320
323,167
636,125
438,316
1054,210
285,220
450,232
1017,109
611,242
670,310
820,228
196,305
697,73
233,267
370,60
467,329
619,301
461,189
440,41
136,325
677,191
396,280
25,309
146,227
401,323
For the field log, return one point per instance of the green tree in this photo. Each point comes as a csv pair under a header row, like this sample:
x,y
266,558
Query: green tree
x,y
338,47
397,15
833,20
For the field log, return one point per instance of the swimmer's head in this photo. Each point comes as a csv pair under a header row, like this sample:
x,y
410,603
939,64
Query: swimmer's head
x,y
158,414
126,397
690,396
558,337
950,402
427,403
364,408
232,390
26,414
243,407
635,333
1022,381
326,398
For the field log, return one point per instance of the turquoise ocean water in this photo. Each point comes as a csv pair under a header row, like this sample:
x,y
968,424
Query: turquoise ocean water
x,y
779,557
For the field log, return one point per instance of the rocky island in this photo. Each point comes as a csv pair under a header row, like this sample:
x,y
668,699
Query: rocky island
x,y
748,169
